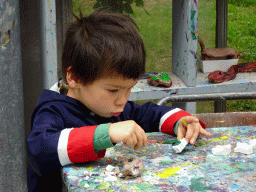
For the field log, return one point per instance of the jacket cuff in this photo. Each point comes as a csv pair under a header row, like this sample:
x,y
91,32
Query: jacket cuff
x,y
170,118
101,139
75,145
175,128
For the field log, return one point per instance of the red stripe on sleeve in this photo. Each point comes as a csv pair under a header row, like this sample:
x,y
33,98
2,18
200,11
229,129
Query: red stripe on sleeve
x,y
167,126
80,145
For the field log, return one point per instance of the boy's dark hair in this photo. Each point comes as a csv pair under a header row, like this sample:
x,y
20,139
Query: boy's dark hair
x,y
103,43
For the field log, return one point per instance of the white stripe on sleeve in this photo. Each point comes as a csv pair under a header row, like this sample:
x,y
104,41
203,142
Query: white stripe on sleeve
x,y
62,147
167,115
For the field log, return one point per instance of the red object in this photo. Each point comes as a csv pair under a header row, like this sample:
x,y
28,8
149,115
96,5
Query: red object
x,y
220,76
149,141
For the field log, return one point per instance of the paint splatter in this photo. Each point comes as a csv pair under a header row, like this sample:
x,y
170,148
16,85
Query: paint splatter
x,y
195,1
237,187
212,140
197,185
168,172
187,36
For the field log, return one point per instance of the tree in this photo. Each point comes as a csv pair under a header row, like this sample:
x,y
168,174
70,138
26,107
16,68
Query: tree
x,y
119,6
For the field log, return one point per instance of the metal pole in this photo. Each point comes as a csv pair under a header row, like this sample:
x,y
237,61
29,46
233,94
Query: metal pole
x,y
221,23
12,133
221,39
48,43
207,97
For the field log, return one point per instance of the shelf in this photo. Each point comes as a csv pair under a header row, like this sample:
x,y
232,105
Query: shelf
x,y
244,82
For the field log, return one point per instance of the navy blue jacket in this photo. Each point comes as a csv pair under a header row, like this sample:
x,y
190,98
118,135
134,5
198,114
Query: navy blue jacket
x,y
62,131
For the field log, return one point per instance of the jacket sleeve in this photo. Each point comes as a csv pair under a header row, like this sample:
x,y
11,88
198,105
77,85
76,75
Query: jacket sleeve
x,y
152,117
50,145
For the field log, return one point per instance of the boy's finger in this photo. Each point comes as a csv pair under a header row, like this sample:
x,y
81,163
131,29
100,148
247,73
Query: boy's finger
x,y
143,135
190,132
204,132
180,133
139,140
195,135
134,139
130,140
145,139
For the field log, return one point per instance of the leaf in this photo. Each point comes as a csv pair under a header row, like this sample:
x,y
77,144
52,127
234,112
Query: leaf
x,y
116,5
128,8
105,2
129,1
139,3
97,4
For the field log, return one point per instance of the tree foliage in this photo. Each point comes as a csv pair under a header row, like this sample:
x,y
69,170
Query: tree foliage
x,y
119,6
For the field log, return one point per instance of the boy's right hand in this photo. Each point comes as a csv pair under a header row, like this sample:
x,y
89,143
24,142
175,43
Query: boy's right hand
x,y
129,132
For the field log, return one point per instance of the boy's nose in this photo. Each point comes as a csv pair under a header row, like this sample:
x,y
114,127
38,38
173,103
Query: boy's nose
x,y
121,100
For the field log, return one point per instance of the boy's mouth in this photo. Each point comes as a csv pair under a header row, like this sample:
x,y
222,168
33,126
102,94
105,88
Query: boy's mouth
x,y
116,114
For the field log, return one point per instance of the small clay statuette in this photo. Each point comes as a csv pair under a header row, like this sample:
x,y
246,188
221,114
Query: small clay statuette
x,y
220,76
159,80
133,167
217,53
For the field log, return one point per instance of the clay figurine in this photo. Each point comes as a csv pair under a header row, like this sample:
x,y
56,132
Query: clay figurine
x,y
159,80
222,149
244,148
220,76
217,53
133,167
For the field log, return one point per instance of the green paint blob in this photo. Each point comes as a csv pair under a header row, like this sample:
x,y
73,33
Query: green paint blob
x,y
81,184
197,185
144,186
163,77
193,36
193,13
175,142
177,65
229,168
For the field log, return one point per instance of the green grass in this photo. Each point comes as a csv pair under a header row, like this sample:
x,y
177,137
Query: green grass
x,y
156,30
242,31
244,3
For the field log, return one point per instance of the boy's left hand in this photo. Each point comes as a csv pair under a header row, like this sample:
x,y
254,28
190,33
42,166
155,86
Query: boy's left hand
x,y
190,129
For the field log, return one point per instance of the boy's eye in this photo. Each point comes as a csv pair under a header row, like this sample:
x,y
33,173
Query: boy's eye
x,y
113,90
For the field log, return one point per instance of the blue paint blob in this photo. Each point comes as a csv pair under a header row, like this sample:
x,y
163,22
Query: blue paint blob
x,y
237,187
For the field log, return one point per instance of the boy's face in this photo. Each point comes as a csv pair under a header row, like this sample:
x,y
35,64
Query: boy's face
x,y
106,96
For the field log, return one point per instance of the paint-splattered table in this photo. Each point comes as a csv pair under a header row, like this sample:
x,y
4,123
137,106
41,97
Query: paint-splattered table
x,y
195,169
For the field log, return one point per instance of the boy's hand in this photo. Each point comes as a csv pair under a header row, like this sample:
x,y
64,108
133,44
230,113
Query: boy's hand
x,y
190,128
129,132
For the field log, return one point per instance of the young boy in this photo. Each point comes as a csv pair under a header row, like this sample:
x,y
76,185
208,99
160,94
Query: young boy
x,y
103,58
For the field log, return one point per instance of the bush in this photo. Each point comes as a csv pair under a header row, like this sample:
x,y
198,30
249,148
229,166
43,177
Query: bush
x,y
245,3
242,105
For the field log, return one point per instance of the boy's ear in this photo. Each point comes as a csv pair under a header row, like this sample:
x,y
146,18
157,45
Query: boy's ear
x,y
71,80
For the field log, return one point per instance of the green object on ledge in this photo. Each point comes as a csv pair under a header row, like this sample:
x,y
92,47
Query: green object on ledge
x,y
163,77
